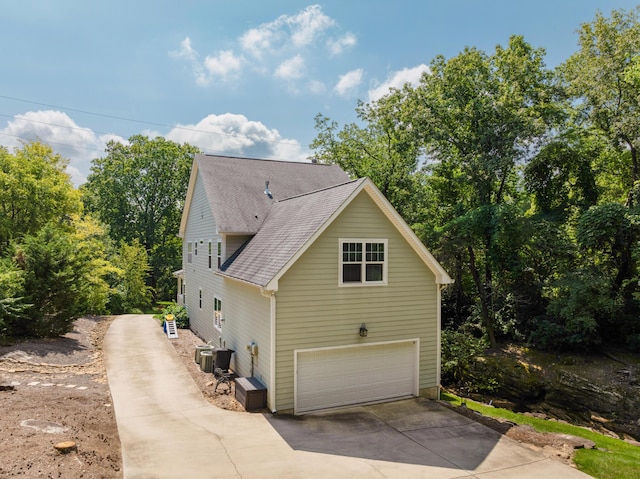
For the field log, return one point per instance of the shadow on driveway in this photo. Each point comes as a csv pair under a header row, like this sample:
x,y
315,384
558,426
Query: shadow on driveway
x,y
414,431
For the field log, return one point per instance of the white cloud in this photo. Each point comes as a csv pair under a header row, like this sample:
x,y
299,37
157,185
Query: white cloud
x,y
77,144
308,24
317,87
298,30
291,69
349,82
397,80
193,58
337,46
258,41
223,66
282,47
235,134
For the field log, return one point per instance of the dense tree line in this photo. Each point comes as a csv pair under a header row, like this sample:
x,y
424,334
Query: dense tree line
x,y
523,181
108,247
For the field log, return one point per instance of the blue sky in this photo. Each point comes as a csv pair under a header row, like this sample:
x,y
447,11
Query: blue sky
x,y
241,77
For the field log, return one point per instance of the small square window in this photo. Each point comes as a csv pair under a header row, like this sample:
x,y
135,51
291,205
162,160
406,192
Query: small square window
x,y
363,262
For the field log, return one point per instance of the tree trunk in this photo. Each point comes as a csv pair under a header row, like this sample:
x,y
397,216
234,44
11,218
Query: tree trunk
x,y
487,314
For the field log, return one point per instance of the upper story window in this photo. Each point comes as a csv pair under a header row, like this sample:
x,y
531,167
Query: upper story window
x,y
219,253
189,252
363,262
210,253
195,248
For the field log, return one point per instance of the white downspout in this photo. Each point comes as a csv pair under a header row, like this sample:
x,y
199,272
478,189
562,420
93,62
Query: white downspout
x,y
271,387
438,339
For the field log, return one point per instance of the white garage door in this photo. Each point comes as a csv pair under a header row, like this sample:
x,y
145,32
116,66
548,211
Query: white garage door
x,y
328,378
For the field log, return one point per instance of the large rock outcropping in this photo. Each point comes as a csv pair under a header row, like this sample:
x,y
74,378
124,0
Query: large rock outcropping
x,y
595,390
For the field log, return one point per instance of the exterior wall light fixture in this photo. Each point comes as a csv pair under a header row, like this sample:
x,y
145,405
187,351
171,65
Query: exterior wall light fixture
x,y
363,330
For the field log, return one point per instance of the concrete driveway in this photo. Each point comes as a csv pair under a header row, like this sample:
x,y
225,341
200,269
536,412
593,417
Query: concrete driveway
x,y
414,431
168,430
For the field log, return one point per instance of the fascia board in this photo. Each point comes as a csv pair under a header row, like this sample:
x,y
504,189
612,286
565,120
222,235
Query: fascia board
x,y
188,199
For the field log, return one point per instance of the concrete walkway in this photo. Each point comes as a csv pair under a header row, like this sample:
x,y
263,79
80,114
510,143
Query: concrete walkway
x,y
168,430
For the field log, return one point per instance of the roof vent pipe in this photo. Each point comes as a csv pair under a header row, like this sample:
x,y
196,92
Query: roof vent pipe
x,y
267,191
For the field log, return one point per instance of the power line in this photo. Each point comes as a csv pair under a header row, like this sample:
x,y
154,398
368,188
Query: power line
x,y
79,128
232,135
52,142
208,151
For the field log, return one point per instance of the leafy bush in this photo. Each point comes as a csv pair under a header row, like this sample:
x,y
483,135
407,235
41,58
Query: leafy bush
x,y
179,312
460,349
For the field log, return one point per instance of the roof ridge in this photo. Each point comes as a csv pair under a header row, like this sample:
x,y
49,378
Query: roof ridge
x,y
321,189
231,157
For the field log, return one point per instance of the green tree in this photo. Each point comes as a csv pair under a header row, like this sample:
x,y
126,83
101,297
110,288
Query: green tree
x,y
138,190
131,291
602,74
562,176
382,150
93,248
12,307
55,270
34,189
479,116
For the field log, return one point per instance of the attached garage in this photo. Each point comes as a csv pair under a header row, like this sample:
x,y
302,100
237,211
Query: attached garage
x,y
342,376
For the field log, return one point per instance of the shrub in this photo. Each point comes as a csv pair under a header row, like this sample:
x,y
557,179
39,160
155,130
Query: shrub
x,y
179,312
460,350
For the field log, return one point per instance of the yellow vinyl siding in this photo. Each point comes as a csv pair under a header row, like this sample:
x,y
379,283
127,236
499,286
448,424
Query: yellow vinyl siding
x,y
313,311
247,318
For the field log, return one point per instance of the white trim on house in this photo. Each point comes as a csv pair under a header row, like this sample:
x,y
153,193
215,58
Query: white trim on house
x,y
442,277
363,262
439,337
272,359
187,202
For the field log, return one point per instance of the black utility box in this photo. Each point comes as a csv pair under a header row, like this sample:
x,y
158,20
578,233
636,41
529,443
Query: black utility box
x,y
251,393
222,358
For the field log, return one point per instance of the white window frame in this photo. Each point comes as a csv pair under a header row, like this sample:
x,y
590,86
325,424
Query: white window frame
x,y
195,248
210,256
200,298
363,262
219,252
190,252
217,313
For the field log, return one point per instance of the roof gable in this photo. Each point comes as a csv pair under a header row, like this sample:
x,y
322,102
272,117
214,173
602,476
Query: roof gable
x,y
235,188
288,228
297,222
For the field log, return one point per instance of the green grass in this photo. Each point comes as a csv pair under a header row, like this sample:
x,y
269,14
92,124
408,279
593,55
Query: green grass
x,y
612,458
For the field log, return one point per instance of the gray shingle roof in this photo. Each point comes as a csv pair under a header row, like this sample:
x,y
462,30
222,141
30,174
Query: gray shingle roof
x,y
290,224
235,187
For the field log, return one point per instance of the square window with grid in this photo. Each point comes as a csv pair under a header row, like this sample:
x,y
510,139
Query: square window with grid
x,y
363,262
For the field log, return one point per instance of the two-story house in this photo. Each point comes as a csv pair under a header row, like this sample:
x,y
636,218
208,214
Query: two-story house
x,y
313,279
